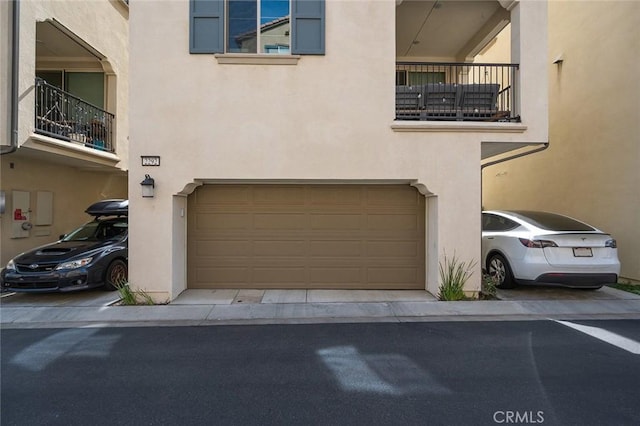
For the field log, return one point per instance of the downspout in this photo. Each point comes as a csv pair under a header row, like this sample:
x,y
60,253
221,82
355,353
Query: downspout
x,y
544,146
15,69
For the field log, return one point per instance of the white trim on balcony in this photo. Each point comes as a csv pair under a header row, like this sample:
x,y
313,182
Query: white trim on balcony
x,y
71,150
457,127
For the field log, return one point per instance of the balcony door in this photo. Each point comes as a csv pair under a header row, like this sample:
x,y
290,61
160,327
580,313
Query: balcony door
x,y
88,86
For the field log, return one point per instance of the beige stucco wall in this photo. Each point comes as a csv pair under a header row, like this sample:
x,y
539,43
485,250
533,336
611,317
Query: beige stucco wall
x,y
498,50
103,25
328,118
592,168
36,167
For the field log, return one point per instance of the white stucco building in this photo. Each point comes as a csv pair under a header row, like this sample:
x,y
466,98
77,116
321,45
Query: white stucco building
x,y
313,168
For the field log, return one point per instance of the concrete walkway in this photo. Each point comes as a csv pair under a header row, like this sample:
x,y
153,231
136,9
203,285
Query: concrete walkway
x,y
212,307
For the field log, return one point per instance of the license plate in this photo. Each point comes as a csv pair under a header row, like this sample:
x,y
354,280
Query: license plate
x,y
582,252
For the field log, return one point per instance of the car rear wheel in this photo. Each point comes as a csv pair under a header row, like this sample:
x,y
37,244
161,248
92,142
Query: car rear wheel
x,y
116,275
500,271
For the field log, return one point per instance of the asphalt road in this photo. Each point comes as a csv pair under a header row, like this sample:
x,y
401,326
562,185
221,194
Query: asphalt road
x,y
455,373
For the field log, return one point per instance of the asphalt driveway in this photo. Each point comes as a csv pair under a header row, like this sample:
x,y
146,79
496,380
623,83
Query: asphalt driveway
x,y
95,297
559,293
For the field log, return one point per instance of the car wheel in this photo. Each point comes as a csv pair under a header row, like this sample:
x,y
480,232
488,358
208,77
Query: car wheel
x,y
498,268
116,275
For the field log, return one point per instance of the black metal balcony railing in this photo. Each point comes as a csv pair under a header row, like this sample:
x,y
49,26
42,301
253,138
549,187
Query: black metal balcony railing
x,y
63,116
456,92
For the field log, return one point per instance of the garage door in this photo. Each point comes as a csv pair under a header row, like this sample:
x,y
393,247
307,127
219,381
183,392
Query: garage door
x,y
306,236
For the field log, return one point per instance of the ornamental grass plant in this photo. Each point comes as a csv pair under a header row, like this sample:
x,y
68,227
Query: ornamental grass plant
x,y
454,273
131,297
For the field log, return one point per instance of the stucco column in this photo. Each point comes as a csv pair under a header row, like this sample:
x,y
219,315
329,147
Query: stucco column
x,y
151,240
453,212
529,44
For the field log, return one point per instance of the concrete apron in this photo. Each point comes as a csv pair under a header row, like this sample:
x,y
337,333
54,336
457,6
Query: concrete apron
x,y
210,307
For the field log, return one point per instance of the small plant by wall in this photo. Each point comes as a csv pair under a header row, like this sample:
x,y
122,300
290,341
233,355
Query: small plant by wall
x,y
454,273
488,287
132,297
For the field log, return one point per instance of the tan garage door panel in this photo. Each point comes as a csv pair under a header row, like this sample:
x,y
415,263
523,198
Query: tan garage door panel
x,y
306,236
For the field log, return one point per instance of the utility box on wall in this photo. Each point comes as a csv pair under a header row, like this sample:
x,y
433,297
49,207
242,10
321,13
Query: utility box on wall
x,y
20,212
44,208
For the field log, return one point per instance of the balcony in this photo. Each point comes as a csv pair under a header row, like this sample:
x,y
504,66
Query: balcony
x,y
63,116
457,92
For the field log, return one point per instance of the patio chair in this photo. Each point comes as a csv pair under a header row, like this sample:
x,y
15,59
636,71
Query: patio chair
x,y
440,101
478,101
408,102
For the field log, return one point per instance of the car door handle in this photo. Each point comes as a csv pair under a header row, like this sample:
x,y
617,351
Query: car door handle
x,y
489,238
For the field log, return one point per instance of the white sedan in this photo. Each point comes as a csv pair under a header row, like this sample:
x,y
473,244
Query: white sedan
x,y
531,247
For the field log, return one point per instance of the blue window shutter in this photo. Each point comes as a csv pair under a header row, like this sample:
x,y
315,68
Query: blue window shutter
x,y
206,26
307,27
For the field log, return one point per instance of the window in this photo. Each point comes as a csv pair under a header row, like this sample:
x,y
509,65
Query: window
x,y
553,222
494,223
88,86
54,78
416,78
257,26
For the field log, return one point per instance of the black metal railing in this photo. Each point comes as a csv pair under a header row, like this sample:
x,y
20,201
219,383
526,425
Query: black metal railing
x,y
64,116
457,92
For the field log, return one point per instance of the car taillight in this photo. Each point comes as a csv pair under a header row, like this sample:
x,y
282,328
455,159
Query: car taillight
x,y
611,243
537,243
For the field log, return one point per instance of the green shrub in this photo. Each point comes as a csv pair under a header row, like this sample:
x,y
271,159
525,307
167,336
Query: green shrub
x,y
453,276
488,288
628,286
132,297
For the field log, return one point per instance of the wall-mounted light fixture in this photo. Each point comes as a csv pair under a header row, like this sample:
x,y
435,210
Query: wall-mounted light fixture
x,y
148,186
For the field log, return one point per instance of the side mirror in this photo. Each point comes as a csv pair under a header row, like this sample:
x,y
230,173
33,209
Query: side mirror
x,y
62,236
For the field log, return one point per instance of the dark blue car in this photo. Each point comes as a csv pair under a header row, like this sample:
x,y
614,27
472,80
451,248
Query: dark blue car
x,y
93,255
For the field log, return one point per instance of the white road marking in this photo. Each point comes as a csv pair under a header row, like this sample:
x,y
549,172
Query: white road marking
x,y
68,343
390,374
614,339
